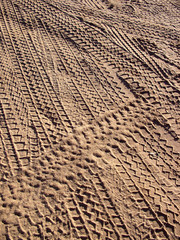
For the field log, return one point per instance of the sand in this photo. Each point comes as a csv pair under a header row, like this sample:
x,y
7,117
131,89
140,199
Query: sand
x,y
89,119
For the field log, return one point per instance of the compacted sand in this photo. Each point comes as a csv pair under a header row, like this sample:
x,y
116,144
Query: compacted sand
x,y
89,119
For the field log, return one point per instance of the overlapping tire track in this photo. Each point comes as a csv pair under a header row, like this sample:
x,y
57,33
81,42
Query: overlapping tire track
x,y
98,183
89,124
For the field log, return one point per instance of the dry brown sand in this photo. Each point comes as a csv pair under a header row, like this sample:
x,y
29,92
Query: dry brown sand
x,y
89,119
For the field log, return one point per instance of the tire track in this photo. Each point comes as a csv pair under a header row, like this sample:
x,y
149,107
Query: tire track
x,y
89,127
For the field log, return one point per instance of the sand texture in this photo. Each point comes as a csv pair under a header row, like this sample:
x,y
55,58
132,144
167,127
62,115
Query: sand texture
x,y
89,119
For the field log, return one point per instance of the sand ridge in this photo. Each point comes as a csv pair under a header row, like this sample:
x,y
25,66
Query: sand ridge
x,y
89,119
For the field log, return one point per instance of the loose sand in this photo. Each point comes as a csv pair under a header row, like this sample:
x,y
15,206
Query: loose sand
x,y
89,119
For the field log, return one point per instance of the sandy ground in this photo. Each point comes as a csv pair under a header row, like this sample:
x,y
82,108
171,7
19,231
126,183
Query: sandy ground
x,y
89,119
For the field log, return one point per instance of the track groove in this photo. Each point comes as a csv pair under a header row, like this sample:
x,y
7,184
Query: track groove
x,y
89,120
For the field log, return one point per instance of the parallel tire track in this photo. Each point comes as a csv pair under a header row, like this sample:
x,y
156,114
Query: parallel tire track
x,y
89,121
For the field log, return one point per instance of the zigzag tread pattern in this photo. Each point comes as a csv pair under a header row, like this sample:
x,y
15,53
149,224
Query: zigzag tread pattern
x,y
89,120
